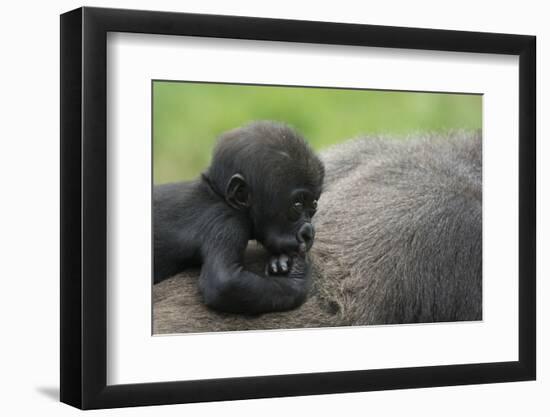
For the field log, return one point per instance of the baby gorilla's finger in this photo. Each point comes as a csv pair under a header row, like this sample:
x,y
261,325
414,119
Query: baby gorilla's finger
x,y
283,263
278,264
273,267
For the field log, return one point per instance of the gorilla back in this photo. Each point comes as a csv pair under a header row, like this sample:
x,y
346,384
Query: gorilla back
x,y
399,240
410,247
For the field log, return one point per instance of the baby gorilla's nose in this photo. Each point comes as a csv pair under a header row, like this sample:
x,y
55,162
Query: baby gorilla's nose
x,y
305,237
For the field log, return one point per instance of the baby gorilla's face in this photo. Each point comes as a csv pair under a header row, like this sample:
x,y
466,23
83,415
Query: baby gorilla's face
x,y
284,226
269,172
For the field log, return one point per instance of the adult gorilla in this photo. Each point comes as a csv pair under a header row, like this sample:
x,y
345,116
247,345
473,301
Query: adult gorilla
x,y
399,240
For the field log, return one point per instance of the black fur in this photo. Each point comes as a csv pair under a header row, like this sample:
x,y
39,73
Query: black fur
x,y
257,175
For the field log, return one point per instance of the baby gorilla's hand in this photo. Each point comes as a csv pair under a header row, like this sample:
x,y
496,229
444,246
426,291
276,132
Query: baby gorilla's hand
x,y
278,265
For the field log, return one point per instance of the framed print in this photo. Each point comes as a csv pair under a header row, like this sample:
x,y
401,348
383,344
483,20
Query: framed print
x,y
257,207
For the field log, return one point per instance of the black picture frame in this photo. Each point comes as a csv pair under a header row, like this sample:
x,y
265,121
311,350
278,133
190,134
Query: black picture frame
x,y
84,222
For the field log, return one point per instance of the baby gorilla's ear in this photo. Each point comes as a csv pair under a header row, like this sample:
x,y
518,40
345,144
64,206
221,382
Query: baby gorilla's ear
x,y
237,193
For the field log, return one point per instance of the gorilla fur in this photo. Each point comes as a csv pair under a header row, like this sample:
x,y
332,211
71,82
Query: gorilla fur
x,y
399,240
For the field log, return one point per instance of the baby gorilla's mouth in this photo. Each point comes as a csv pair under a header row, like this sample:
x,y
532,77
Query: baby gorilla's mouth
x,y
290,245
289,250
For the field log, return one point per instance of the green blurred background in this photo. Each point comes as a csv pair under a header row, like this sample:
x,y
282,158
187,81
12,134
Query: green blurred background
x,y
187,117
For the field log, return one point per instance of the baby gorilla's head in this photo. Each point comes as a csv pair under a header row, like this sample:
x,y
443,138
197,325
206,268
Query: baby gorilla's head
x,y
267,170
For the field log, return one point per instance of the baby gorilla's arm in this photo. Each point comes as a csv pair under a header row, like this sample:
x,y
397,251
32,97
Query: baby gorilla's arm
x,y
226,286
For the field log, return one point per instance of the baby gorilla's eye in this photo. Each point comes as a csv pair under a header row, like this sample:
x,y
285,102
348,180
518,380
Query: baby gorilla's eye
x,y
298,206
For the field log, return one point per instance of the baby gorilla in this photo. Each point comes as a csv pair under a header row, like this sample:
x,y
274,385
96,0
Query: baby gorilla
x,y
263,183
